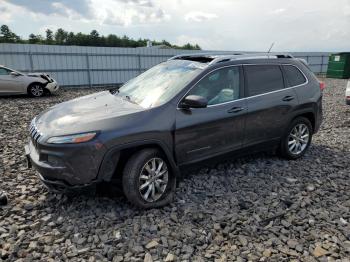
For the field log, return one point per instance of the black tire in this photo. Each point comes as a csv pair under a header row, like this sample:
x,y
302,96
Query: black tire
x,y
131,179
284,149
36,90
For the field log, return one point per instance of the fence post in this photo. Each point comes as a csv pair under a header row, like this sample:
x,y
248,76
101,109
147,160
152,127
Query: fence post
x,y
322,64
31,62
139,63
88,69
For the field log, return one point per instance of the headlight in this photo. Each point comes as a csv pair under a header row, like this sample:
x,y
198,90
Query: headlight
x,y
72,139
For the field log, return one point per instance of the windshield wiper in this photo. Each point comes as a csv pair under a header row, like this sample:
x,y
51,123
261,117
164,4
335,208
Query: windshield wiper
x,y
114,91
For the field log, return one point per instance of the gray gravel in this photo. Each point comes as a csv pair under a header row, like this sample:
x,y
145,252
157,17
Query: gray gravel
x,y
257,208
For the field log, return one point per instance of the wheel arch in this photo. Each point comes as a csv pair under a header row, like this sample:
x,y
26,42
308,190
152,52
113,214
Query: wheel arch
x,y
308,115
116,157
40,83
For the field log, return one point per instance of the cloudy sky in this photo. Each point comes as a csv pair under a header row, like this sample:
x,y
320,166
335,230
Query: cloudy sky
x,y
249,25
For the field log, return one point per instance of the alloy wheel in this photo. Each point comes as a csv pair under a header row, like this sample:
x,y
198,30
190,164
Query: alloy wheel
x,y
153,179
298,139
36,90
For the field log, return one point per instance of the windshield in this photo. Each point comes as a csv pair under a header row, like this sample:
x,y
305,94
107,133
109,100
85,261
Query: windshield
x,y
159,84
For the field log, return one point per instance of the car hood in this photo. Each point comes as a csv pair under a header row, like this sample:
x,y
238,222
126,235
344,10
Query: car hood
x,y
36,74
88,113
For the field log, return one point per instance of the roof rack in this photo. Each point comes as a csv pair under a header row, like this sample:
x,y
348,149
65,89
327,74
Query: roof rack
x,y
212,58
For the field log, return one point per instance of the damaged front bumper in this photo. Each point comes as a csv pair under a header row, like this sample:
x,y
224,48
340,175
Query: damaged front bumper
x,y
65,167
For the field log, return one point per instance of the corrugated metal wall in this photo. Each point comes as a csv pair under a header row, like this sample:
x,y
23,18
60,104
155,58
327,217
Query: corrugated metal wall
x,y
90,66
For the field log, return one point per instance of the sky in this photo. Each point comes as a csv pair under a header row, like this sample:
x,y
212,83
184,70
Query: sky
x,y
234,25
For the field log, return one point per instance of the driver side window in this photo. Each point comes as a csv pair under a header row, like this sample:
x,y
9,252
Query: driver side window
x,y
219,86
4,71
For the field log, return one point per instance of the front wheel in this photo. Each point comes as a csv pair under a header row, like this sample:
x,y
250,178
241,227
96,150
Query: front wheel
x,y
36,90
147,179
297,139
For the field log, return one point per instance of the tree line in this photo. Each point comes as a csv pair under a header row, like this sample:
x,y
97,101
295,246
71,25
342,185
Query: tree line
x,y
62,37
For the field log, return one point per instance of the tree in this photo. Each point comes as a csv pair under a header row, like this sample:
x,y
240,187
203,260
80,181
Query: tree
x,y
49,36
61,36
7,36
35,39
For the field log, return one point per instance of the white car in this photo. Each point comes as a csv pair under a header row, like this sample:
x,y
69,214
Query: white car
x,y
347,93
13,82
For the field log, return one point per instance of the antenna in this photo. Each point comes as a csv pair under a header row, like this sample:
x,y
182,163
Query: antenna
x,y
271,47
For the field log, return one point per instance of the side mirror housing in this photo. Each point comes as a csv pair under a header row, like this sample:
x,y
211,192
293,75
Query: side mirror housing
x,y
14,74
193,101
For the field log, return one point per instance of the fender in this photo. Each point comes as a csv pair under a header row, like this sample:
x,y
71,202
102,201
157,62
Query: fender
x,y
111,158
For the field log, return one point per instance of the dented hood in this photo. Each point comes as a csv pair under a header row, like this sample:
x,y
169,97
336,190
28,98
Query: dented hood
x,y
88,113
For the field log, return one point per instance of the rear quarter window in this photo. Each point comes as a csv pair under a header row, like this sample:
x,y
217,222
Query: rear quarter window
x,y
293,75
263,79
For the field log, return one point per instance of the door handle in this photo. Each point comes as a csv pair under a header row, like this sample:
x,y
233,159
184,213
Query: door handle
x,y
235,110
288,98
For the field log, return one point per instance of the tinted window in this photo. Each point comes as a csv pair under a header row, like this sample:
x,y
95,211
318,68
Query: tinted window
x,y
263,79
293,75
219,87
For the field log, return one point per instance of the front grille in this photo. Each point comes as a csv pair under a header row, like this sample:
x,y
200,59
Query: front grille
x,y
35,134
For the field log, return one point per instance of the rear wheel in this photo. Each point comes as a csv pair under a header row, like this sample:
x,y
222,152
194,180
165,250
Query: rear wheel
x,y
147,179
297,139
36,90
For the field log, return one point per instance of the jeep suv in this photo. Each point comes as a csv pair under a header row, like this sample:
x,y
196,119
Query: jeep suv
x,y
185,110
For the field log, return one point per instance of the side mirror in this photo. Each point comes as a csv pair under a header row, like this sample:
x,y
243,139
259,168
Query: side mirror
x,y
14,74
193,101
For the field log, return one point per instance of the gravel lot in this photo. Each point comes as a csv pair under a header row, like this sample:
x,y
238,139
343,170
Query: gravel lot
x,y
257,208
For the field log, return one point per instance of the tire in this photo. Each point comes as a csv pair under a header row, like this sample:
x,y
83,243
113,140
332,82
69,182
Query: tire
x,y
36,90
292,137
136,173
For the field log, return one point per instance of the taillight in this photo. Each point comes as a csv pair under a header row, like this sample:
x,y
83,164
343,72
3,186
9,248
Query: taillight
x,y
322,85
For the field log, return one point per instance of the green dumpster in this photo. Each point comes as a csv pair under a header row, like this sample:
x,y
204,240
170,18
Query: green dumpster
x,y
339,65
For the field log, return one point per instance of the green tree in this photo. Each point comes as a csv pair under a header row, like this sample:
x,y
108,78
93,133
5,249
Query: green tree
x,y
49,36
61,36
7,36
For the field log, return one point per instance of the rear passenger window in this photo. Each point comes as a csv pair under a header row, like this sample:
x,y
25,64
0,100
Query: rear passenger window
x,y
293,75
263,79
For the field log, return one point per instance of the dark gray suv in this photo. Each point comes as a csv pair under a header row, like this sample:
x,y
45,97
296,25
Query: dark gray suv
x,y
185,110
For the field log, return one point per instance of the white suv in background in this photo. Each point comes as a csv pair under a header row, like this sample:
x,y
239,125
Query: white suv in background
x,y
13,82
347,93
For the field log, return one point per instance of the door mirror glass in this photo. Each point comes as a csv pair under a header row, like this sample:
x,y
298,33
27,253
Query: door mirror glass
x,y
193,101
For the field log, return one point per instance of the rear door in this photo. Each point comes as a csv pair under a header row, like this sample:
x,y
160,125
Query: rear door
x,y
218,128
269,103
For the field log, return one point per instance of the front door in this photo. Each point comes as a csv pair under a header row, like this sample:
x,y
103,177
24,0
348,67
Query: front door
x,y
218,128
10,84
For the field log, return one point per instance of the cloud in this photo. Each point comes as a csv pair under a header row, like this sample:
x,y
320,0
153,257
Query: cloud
x,y
128,12
199,16
5,14
313,25
278,11
60,7
110,12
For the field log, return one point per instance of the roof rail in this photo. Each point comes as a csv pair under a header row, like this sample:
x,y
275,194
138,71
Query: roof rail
x,y
250,56
214,58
